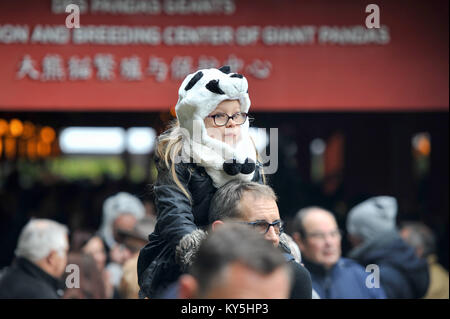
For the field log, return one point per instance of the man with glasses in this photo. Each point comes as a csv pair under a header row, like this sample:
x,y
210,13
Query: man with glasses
x,y
255,205
233,262
333,277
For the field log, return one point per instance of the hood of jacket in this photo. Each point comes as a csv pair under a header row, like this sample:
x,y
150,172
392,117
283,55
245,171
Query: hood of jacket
x,y
389,249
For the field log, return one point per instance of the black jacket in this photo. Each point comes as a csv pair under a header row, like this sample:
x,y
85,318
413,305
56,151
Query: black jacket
x,y
177,217
301,284
402,273
25,280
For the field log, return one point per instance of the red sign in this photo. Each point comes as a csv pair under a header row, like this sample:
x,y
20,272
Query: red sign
x,y
297,55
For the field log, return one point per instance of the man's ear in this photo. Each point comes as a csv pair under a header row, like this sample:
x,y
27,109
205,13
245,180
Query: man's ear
x,y
298,240
52,261
216,224
51,257
187,287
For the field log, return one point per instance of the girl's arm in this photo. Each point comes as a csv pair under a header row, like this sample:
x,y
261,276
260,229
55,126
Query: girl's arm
x,y
175,218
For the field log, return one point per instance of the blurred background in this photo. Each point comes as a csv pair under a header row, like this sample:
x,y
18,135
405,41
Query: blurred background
x,y
360,112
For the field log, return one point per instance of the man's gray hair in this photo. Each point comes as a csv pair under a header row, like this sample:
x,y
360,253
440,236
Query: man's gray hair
x,y
225,202
41,236
229,244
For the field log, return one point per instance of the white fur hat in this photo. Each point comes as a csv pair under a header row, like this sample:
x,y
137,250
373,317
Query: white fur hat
x,y
198,96
202,91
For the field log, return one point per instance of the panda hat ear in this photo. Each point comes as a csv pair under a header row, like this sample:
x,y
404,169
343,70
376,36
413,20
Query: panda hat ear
x,y
225,69
201,92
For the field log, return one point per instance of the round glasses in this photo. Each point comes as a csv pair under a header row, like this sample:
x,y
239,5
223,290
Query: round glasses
x,y
221,119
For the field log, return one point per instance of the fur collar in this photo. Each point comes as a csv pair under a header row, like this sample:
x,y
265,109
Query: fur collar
x,y
211,154
187,248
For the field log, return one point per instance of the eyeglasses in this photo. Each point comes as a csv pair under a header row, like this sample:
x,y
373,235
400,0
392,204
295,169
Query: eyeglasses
x,y
337,233
263,227
221,119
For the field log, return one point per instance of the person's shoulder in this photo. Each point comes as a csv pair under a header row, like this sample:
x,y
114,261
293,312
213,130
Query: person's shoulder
x,y
297,268
439,271
17,284
183,171
347,263
302,288
185,168
14,274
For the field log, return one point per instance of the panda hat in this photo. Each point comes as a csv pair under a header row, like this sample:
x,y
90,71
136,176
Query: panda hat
x,y
199,94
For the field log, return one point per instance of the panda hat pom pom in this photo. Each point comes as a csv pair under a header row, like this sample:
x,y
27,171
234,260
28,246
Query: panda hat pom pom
x,y
199,94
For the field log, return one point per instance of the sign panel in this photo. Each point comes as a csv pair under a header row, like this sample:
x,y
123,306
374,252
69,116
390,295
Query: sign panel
x,y
320,55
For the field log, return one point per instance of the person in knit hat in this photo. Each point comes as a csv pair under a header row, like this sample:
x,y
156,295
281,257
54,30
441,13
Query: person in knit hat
x,y
117,206
207,145
372,217
372,231
121,212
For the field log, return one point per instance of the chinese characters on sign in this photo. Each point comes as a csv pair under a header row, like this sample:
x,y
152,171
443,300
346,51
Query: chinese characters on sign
x,y
106,67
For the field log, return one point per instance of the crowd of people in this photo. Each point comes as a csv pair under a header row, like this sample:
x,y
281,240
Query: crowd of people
x,y
105,258
218,232
230,258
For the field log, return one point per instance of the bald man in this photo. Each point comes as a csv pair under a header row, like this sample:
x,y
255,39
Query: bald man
x,y
333,277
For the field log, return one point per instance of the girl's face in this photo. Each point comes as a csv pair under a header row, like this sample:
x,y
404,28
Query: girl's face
x,y
229,133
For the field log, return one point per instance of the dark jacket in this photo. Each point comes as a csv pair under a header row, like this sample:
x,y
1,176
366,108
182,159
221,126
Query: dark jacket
x,y
345,280
301,283
177,217
402,273
25,280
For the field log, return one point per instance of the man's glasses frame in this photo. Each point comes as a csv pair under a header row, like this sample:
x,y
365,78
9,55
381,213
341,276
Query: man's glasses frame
x,y
278,224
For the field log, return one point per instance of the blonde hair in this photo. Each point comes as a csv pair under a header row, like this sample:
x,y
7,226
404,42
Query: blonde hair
x,y
129,287
169,146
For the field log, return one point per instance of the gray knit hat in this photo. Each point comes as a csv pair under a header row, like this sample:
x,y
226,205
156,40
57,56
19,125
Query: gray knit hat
x,y
372,217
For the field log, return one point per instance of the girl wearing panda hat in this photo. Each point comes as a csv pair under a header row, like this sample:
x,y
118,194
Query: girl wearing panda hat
x,y
207,146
